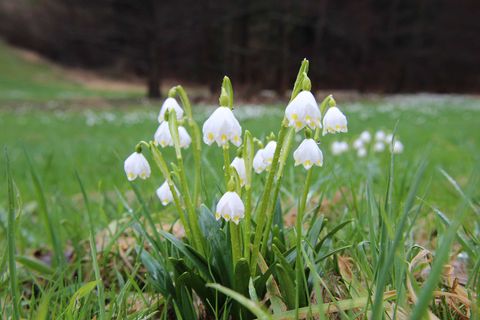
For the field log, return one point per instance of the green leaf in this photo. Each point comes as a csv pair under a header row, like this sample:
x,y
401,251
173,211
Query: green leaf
x,y
254,307
35,265
82,292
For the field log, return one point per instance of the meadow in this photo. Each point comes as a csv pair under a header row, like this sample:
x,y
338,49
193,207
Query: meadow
x,y
71,197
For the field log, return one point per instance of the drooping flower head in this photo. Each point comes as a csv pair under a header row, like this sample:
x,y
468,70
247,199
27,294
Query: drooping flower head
x,y
397,147
168,105
264,157
230,207
136,166
303,111
358,144
379,146
308,154
165,194
239,165
362,152
334,121
222,127
380,135
164,138
365,136
339,147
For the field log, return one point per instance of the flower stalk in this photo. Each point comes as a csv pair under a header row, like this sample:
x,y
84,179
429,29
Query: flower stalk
x,y
264,202
192,218
196,141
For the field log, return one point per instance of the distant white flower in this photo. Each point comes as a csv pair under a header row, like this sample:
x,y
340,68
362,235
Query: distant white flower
x,y
136,166
334,121
397,147
362,152
358,144
303,111
308,154
170,104
239,165
230,207
389,138
380,135
379,146
339,147
164,138
366,137
264,157
165,194
221,127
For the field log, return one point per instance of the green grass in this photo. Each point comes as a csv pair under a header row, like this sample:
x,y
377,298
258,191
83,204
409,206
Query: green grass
x,y
38,82
77,239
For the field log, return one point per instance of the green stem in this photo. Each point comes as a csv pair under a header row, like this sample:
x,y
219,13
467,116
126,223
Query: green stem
x,y
192,217
298,229
235,238
162,165
248,222
226,163
278,183
196,141
261,211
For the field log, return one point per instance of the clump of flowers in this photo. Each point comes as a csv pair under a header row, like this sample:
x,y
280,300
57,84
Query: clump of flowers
x,y
367,142
244,223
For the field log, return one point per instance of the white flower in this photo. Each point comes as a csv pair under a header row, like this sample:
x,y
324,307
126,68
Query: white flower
x,y
264,157
239,165
221,127
379,146
358,144
389,138
136,166
334,121
258,164
164,138
362,152
230,207
308,154
380,135
339,147
397,147
366,137
170,104
303,111
165,194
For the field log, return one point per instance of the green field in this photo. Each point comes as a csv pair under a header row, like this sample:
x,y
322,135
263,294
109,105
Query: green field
x,y
49,146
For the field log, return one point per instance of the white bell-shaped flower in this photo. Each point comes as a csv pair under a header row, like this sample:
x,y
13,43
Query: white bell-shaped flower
x,y
308,154
136,166
397,147
362,152
165,194
168,105
334,121
164,138
222,127
358,144
259,164
379,146
264,157
339,147
365,136
239,165
230,207
303,111
389,139
380,135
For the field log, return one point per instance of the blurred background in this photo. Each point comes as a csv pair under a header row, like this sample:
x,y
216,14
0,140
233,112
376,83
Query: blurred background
x,y
363,45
